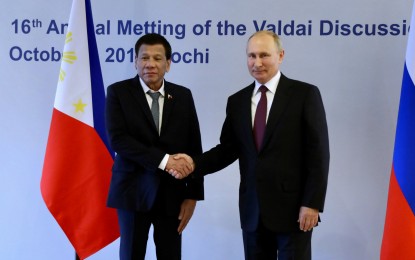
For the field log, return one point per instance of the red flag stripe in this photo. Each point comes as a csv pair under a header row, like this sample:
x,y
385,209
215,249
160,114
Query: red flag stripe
x,y
399,225
75,179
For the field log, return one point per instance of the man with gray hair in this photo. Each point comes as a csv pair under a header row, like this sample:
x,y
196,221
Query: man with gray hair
x,y
277,129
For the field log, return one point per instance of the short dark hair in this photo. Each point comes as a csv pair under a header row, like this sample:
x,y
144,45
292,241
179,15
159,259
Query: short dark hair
x,y
153,39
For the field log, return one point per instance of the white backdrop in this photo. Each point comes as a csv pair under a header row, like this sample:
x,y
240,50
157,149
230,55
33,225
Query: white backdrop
x,y
359,77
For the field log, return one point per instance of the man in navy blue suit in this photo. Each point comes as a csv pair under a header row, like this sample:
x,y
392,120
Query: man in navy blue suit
x,y
277,129
148,120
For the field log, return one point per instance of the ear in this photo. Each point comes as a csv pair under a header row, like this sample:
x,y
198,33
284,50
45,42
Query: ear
x,y
281,56
168,65
135,62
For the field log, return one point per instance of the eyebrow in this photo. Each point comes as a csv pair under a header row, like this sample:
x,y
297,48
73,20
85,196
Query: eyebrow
x,y
260,53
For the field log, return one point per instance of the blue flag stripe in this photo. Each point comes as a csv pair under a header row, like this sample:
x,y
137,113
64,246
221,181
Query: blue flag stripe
x,y
98,93
404,153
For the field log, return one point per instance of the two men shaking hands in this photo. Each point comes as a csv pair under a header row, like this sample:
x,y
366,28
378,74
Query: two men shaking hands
x,y
180,165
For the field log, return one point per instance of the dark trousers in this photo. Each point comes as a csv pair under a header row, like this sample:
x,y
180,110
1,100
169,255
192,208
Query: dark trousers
x,y
264,244
134,228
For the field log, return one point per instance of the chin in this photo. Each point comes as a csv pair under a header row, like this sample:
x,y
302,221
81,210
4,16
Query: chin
x,y
260,80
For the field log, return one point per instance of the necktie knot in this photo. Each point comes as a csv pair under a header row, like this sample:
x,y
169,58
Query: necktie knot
x,y
263,89
154,95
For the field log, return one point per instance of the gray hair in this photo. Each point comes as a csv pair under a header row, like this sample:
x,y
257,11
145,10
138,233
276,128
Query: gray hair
x,y
276,38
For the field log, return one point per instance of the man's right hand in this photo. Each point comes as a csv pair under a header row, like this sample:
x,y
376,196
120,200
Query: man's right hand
x,y
180,165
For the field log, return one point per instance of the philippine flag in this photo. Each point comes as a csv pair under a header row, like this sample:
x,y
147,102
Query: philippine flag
x,y
399,232
77,167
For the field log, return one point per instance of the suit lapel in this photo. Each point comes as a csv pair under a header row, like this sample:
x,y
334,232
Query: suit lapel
x,y
246,115
168,106
280,102
137,92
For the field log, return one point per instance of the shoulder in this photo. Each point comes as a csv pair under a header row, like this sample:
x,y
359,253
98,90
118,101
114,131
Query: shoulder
x,y
123,84
177,89
246,91
296,85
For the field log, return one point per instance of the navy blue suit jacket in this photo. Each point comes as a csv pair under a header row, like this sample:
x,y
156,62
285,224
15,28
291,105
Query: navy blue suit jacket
x,y
291,168
139,148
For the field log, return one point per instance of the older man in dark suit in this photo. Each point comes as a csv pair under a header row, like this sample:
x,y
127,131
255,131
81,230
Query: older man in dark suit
x,y
277,129
148,120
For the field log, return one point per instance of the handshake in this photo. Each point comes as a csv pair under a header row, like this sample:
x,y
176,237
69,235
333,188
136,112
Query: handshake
x,y
180,165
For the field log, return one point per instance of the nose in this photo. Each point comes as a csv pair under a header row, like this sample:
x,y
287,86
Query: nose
x,y
257,62
149,63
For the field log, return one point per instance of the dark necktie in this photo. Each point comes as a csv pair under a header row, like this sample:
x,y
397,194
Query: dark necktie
x,y
260,118
155,107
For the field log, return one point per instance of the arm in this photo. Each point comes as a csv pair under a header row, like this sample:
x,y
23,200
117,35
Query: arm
x,y
195,187
216,158
317,160
125,138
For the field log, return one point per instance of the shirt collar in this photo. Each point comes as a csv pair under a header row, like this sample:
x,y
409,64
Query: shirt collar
x,y
146,88
271,84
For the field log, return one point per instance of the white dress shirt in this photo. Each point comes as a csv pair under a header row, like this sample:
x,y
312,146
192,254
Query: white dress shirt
x,y
256,95
163,162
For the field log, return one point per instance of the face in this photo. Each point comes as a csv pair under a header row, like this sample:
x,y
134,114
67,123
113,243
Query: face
x,y
151,65
264,58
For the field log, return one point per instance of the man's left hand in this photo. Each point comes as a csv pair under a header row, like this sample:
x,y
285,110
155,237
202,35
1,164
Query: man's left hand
x,y
186,211
308,218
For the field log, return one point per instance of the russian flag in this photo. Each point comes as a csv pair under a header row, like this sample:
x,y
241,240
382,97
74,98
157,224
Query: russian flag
x,y
399,232
77,167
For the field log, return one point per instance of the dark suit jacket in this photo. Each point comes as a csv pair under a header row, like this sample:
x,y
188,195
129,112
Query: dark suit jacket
x,y
136,179
291,168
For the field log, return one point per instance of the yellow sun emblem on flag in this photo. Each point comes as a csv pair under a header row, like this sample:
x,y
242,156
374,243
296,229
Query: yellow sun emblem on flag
x,y
68,57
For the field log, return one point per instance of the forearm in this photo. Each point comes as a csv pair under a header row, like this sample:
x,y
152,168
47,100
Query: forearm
x,y
317,152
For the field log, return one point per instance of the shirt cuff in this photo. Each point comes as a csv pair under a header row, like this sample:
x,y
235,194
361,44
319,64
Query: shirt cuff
x,y
163,162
